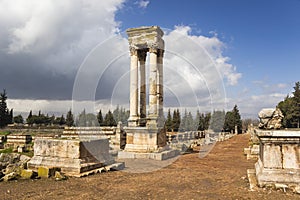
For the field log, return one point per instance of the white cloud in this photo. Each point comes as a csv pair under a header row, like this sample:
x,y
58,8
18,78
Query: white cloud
x,y
57,35
142,4
59,31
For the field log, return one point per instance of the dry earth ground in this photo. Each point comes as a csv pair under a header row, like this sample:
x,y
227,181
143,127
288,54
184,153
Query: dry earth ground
x,y
219,175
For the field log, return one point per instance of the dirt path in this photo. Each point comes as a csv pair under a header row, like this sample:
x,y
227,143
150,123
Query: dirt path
x,y
219,175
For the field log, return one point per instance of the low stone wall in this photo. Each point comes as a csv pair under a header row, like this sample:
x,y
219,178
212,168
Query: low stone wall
x,y
91,133
73,157
279,157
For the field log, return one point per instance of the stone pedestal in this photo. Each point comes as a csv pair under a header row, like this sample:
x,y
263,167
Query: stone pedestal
x,y
144,140
279,157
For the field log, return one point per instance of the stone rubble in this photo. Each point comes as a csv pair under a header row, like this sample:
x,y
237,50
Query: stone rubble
x,y
270,118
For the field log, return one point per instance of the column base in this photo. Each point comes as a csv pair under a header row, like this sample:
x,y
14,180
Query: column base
x,y
152,122
133,121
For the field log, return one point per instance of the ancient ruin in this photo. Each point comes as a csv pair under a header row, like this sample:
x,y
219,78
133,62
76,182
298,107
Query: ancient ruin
x,y
270,118
73,157
278,153
145,131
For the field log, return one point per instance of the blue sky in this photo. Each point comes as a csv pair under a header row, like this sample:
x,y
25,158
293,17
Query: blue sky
x,y
45,45
261,37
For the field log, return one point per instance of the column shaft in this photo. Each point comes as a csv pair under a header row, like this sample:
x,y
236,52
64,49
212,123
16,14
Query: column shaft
x,y
160,92
133,86
142,59
153,83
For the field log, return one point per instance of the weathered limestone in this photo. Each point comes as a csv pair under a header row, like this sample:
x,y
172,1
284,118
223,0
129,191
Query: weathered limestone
x,y
18,142
279,157
145,133
73,157
143,40
270,118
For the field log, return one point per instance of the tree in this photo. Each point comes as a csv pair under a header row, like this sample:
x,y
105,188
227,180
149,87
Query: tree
x,y
18,119
5,117
217,121
237,119
81,120
70,118
232,120
176,120
62,120
91,119
296,105
169,121
229,123
29,118
290,108
109,119
100,118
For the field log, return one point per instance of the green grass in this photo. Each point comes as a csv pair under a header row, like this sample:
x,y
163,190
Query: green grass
x,y
4,132
9,150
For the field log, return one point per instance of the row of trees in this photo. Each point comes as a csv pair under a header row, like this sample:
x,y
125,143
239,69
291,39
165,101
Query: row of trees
x,y
290,108
226,121
42,119
217,121
109,119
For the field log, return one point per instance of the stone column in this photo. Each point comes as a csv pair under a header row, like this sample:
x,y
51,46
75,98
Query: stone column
x,y
132,121
153,83
160,83
142,58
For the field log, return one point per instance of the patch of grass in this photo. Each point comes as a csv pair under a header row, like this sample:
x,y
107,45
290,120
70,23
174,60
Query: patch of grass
x,y
9,150
4,132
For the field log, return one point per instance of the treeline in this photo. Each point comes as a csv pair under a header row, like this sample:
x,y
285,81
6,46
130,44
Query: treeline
x,y
109,119
217,121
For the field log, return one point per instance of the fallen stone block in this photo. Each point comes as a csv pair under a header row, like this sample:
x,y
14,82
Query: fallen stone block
x,y
59,176
26,174
10,176
45,172
115,166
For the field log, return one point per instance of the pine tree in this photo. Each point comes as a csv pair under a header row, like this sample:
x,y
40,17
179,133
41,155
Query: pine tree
x,y
217,121
184,121
4,114
100,118
29,118
70,118
109,119
62,120
169,121
176,120
81,121
237,119
207,119
190,122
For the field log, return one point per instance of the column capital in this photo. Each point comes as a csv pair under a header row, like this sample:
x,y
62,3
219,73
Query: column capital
x,y
133,51
142,54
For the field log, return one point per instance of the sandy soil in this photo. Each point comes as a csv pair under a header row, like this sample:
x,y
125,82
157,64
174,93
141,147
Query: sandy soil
x,y
219,175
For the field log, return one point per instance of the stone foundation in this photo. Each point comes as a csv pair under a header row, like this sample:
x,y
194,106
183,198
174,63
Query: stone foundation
x,y
73,157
